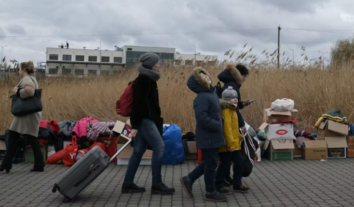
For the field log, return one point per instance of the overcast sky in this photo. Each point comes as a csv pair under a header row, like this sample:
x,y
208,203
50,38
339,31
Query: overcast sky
x,y
213,26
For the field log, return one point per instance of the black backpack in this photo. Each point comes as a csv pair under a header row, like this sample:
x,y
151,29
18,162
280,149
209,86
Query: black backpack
x,y
249,147
218,90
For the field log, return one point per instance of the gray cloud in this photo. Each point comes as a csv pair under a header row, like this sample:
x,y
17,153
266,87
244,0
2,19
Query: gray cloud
x,y
212,26
16,29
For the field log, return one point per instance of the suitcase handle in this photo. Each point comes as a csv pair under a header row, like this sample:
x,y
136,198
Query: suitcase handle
x,y
120,150
92,168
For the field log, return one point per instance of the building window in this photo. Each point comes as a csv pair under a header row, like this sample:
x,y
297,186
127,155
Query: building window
x,y
92,58
188,62
118,59
105,59
80,58
129,49
104,72
53,71
133,57
92,72
53,57
79,71
66,57
178,62
66,71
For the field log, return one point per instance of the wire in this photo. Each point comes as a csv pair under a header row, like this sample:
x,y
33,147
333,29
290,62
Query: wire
x,y
319,30
137,34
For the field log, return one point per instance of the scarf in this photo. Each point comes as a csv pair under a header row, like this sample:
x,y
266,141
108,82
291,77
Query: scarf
x,y
155,76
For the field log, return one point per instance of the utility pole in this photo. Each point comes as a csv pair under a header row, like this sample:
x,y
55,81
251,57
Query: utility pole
x,y
279,28
195,55
323,58
293,58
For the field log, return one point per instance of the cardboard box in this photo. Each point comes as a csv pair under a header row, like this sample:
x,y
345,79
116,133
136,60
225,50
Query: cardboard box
x,y
192,147
277,131
29,156
332,129
273,116
279,149
315,150
337,147
350,150
297,151
2,145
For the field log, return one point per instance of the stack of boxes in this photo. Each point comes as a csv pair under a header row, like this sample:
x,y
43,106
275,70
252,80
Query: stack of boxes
x,y
276,148
335,135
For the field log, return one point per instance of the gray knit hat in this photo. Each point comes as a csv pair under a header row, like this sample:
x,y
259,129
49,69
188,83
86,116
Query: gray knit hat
x,y
229,94
149,59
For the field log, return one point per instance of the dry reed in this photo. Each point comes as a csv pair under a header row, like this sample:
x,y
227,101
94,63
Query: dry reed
x,y
314,91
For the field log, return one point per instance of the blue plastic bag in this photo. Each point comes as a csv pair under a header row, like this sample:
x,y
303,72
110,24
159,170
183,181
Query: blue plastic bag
x,y
174,152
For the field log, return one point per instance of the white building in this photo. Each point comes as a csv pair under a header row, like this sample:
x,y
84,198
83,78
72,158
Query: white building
x,y
194,59
85,62
82,62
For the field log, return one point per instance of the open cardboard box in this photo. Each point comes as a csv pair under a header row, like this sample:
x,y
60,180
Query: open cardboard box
x,y
277,131
337,147
315,150
124,130
279,149
332,129
274,116
350,151
193,151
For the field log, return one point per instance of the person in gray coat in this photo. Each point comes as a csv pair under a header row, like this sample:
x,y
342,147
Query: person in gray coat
x,y
209,133
26,126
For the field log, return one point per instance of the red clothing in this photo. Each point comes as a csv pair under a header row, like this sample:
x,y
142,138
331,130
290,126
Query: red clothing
x,y
43,124
290,121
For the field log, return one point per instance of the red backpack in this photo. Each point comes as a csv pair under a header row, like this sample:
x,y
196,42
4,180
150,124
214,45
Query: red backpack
x,y
124,105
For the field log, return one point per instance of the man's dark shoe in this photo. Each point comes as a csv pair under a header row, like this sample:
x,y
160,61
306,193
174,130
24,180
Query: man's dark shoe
x,y
216,197
132,188
241,189
162,189
187,185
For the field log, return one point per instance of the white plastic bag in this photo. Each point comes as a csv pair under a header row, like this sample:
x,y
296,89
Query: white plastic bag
x,y
283,105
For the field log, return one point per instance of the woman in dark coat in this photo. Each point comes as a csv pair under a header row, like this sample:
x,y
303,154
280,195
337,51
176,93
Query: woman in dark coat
x,y
209,134
147,126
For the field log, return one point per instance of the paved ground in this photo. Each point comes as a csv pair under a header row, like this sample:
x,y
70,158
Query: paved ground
x,y
283,183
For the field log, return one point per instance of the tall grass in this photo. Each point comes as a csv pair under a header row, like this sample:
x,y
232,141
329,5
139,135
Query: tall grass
x,y
315,91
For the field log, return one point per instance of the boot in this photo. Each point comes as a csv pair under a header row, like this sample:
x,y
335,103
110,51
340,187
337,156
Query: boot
x,y
132,188
187,185
216,197
162,189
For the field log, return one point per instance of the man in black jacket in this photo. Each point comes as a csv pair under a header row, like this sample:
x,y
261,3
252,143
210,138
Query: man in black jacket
x,y
147,126
235,76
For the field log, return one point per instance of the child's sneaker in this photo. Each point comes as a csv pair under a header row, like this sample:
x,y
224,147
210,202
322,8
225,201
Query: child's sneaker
x,y
223,190
241,189
216,197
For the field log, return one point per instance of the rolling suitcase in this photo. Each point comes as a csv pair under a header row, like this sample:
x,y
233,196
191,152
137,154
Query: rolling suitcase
x,y
87,169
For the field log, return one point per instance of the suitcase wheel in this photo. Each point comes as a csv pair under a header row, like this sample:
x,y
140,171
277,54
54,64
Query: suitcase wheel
x,y
67,200
54,188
